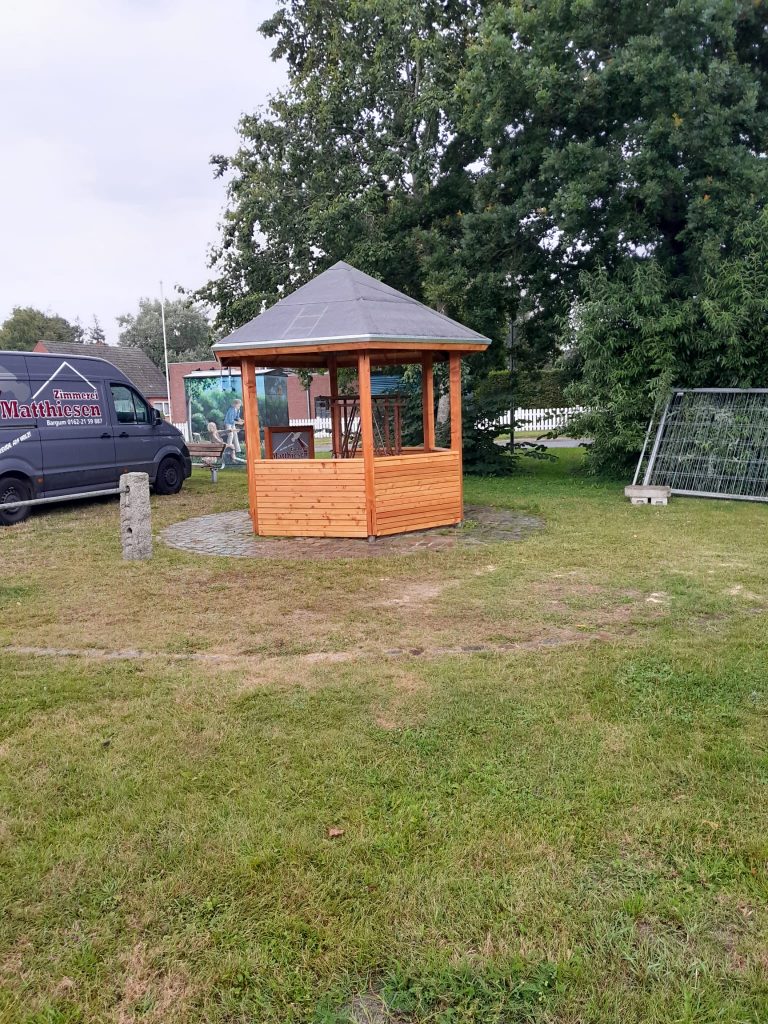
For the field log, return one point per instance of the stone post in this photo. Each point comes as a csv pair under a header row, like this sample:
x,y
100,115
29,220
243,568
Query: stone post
x,y
135,516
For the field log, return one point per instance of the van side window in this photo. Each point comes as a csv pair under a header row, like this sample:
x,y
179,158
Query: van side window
x,y
128,406
123,402
141,408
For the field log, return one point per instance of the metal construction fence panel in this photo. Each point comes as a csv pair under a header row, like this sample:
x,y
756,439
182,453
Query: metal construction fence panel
x,y
711,443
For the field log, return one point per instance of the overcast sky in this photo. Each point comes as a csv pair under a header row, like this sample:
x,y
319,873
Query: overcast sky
x,y
109,111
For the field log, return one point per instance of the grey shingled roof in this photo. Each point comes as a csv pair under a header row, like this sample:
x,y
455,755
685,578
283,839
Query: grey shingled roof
x,y
344,304
135,364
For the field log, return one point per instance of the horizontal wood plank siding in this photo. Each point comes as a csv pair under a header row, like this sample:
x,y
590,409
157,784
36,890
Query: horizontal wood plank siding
x,y
417,492
326,497
315,498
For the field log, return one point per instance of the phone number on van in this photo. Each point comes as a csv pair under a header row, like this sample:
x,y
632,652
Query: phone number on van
x,y
84,421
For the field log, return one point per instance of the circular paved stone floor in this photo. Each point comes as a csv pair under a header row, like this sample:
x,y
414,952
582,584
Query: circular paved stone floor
x,y
229,533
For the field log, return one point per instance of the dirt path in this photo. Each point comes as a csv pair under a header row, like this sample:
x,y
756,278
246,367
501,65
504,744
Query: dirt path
x,y
556,638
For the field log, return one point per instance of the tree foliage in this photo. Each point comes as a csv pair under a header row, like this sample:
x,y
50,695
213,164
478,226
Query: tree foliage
x,y
627,142
583,168
481,455
187,330
27,325
95,333
637,342
358,158
482,404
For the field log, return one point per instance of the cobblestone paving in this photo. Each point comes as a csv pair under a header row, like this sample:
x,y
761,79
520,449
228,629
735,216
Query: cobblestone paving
x,y
230,534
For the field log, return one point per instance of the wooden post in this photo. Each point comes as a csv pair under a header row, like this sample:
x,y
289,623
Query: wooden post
x,y
252,437
428,402
454,362
366,437
454,373
335,411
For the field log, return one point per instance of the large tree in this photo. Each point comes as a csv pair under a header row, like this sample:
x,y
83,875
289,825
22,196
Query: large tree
x,y
27,325
625,165
359,158
517,162
187,330
639,334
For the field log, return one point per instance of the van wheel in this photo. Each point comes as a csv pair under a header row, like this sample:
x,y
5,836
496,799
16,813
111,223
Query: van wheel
x,y
14,489
169,476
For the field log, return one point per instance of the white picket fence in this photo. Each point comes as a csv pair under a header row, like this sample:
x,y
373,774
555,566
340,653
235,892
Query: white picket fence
x,y
322,425
540,419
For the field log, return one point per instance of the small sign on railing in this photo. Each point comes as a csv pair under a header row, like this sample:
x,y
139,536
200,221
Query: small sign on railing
x,y
289,443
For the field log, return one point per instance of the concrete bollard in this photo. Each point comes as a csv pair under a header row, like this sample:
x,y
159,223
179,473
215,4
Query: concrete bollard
x,y
135,516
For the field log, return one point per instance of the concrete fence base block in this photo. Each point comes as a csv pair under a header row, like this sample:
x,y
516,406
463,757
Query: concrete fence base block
x,y
135,517
642,494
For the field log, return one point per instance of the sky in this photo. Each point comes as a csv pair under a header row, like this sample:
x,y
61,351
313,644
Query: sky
x,y
109,112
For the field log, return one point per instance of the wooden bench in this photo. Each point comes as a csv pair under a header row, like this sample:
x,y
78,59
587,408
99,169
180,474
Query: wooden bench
x,y
208,454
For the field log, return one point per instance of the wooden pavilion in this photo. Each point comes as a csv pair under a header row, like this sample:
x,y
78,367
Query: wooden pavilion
x,y
372,485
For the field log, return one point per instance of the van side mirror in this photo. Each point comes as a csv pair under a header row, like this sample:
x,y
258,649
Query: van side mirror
x,y
157,418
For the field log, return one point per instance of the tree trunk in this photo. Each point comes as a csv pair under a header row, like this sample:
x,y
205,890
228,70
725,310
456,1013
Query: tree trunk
x,y
443,408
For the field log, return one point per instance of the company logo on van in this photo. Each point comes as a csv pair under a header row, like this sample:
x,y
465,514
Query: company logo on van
x,y
70,408
65,404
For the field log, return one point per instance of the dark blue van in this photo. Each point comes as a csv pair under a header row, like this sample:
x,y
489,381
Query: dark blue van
x,y
73,424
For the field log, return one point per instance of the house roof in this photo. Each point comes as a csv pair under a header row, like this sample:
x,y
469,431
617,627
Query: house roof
x,y
135,364
344,306
386,383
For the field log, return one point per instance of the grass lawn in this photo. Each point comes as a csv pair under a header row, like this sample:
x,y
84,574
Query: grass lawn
x,y
573,832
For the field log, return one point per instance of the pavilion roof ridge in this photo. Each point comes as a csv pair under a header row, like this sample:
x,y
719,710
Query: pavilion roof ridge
x,y
343,303
388,293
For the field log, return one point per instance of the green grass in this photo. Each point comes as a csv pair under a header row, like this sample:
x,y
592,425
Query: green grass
x,y
573,833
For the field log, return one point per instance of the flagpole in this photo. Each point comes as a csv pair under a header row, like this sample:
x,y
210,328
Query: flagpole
x,y
165,352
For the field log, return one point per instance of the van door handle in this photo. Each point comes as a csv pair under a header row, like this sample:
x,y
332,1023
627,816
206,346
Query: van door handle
x,y
105,434
123,433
